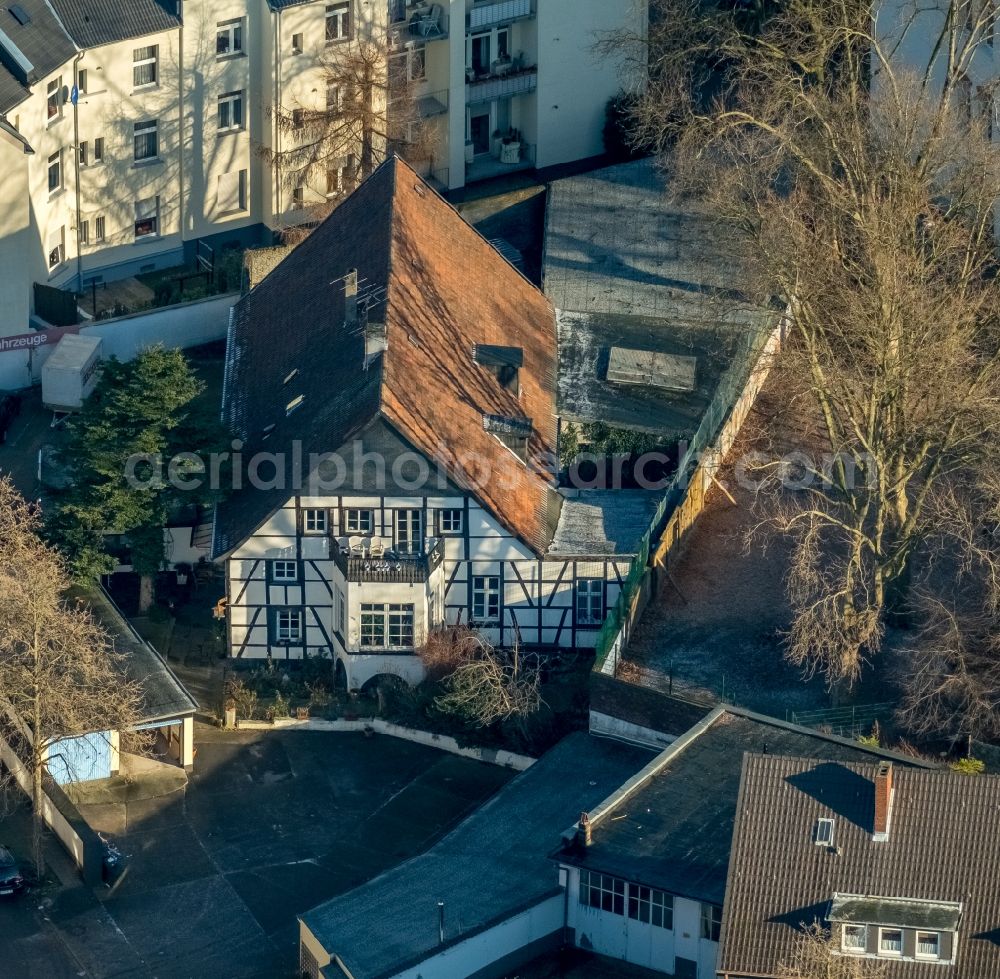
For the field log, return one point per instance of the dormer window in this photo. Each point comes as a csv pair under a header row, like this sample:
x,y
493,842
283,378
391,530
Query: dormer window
x,y
928,945
823,833
890,941
503,362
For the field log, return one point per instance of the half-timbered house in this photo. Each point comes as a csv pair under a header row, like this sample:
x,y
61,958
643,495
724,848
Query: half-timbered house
x,y
391,385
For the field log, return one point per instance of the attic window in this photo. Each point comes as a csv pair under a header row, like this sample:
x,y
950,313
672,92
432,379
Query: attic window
x,y
294,404
652,369
823,834
291,375
503,362
512,432
20,15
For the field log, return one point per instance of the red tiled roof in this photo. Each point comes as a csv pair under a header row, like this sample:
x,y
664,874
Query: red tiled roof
x,y
446,289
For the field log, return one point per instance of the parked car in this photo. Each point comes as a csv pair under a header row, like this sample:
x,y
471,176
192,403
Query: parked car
x,y
11,879
10,408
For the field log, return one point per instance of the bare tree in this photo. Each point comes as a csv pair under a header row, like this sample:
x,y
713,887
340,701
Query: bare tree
x,y
370,110
859,196
817,955
59,674
490,684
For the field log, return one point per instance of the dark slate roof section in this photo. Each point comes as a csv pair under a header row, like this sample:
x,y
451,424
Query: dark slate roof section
x,y
491,866
439,288
92,23
12,92
942,847
643,706
598,521
673,831
164,696
42,40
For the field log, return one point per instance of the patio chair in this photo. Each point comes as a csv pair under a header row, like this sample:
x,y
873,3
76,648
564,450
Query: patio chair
x,y
357,546
376,548
430,23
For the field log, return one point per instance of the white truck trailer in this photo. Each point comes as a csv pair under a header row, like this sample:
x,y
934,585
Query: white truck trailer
x,y
71,372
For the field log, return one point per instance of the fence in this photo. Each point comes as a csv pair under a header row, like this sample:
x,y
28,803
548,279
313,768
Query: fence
x,y
848,722
685,497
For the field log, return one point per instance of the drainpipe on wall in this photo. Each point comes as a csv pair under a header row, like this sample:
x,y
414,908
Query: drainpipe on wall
x,y
276,109
182,197
76,169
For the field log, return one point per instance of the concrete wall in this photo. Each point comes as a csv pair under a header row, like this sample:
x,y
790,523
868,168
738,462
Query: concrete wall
x,y
492,953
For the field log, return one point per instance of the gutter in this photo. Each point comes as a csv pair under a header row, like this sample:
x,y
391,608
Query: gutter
x,y
76,169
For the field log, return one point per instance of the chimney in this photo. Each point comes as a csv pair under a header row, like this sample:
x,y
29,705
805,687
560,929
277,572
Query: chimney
x,y
585,832
883,802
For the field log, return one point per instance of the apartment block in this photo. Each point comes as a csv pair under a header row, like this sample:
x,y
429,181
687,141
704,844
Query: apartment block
x,y
509,85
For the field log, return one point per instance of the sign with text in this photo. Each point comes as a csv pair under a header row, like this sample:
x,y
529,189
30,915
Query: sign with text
x,y
36,339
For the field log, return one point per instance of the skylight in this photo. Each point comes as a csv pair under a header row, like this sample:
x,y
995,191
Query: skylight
x,y
823,835
20,14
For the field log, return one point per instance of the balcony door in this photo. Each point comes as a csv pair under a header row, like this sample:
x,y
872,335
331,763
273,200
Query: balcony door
x,y
409,535
480,129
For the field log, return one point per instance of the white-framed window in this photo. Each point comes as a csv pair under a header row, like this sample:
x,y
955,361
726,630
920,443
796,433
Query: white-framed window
x,y
146,140
287,625
450,521
359,521
589,601
145,66
602,891
81,81
229,38
232,192
417,63
147,217
298,118
314,521
651,906
338,21
57,248
711,922
230,111
53,99
823,835
98,150
284,571
55,172
890,941
333,102
84,152
386,626
340,611
297,44
409,535
84,232
298,198
485,599
854,939
99,229
928,945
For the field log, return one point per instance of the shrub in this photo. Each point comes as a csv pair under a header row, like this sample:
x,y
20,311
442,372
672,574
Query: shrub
x,y
968,766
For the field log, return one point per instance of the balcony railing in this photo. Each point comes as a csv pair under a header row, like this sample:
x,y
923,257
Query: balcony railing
x,y
501,86
389,567
427,22
498,12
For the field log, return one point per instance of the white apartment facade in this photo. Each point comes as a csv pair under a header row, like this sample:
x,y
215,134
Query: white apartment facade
x,y
510,84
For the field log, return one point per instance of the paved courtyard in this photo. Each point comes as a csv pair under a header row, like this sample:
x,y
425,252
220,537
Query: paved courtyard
x,y
269,825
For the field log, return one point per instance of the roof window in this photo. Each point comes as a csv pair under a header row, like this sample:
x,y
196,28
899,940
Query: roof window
x,y
823,833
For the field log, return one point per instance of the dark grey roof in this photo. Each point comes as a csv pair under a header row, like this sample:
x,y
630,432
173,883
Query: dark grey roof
x,y
492,865
643,706
92,23
41,39
604,522
12,92
942,847
164,696
674,830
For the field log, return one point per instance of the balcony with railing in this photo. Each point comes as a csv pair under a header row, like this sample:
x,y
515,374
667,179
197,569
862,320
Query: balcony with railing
x,y
493,12
421,22
503,81
364,563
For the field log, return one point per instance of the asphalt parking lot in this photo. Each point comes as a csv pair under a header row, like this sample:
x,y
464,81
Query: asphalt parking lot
x,y
270,824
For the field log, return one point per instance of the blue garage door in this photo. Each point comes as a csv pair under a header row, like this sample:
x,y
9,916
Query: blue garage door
x,y
82,759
